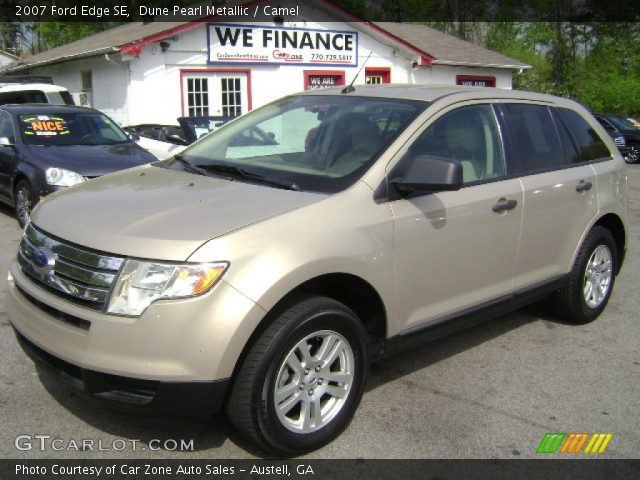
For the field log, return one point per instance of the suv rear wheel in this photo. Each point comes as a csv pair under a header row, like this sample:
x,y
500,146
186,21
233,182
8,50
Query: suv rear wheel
x,y
303,378
590,283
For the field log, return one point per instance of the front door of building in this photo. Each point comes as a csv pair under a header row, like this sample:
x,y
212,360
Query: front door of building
x,y
214,94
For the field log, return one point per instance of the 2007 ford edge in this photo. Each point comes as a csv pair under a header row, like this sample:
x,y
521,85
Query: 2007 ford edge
x,y
264,268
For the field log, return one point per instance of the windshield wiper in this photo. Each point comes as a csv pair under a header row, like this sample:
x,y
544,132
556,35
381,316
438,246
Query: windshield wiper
x,y
180,158
241,173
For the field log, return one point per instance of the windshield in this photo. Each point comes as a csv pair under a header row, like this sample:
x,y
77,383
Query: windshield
x,y
318,143
621,123
70,128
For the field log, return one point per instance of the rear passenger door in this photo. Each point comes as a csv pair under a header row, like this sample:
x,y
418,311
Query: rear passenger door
x,y
559,189
456,250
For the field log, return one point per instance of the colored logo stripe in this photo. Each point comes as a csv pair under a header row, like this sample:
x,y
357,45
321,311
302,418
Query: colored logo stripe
x,y
598,443
550,442
573,443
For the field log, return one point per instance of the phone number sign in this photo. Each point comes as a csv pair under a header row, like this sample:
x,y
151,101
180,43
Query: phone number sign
x,y
281,45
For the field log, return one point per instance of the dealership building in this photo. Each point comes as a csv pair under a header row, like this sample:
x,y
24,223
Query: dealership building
x,y
155,72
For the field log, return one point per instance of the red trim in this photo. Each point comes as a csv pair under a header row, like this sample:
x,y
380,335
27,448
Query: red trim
x,y
384,72
322,73
136,47
246,71
491,81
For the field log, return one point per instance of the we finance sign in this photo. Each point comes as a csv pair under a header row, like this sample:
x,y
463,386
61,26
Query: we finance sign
x,y
237,44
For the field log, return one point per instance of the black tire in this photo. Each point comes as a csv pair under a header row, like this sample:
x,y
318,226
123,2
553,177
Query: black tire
x,y
252,406
570,303
633,153
24,200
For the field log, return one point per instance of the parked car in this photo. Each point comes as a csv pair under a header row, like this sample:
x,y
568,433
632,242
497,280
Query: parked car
x,y
263,277
619,125
45,148
164,141
620,142
34,93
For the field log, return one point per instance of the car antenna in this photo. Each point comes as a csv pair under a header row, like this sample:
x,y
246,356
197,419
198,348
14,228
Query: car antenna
x,y
350,88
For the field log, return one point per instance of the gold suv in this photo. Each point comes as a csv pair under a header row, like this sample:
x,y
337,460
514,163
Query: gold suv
x,y
262,270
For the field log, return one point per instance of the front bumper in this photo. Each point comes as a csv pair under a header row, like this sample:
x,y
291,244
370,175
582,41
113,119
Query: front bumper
x,y
130,394
188,347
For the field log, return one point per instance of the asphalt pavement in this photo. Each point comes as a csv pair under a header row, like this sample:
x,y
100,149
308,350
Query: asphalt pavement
x,y
492,391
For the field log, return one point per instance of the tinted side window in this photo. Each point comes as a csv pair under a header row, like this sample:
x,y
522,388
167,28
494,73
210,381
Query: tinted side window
x,y
37,96
68,99
468,135
13,97
24,96
535,137
590,145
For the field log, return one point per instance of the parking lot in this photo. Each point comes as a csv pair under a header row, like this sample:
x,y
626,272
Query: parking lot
x,y
492,391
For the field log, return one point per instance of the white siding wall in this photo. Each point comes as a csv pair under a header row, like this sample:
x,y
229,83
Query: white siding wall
x,y
110,80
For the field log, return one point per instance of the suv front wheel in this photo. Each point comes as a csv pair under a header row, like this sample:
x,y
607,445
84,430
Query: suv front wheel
x,y
25,200
302,379
591,280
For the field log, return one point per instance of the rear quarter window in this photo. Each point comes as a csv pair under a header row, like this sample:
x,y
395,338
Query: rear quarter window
x,y
589,144
23,96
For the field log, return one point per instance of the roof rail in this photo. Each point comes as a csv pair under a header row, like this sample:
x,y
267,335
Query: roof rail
x,y
26,79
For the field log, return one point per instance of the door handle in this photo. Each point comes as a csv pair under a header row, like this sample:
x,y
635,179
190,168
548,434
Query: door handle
x,y
583,186
504,205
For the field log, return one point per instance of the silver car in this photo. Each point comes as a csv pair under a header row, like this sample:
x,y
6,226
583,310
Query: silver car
x,y
264,268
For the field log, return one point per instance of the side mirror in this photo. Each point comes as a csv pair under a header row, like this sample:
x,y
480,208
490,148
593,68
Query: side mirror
x,y
133,136
176,139
429,174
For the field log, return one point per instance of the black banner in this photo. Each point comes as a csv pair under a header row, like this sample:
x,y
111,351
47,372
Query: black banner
x,y
91,11
321,469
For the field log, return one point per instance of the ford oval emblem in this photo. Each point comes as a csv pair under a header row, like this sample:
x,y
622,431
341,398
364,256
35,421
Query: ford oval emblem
x,y
43,259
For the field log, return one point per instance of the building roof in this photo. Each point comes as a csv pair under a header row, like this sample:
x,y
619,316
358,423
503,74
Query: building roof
x,y
100,43
447,49
435,47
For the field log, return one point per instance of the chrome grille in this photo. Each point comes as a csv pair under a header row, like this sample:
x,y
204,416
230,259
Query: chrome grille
x,y
619,141
80,275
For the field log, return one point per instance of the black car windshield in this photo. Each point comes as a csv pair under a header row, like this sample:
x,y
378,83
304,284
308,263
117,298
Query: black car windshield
x,y
317,143
70,128
621,123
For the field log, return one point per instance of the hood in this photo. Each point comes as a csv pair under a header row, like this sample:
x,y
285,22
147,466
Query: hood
x,y
91,160
157,213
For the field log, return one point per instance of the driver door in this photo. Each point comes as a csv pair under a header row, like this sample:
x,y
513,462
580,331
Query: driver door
x,y
457,250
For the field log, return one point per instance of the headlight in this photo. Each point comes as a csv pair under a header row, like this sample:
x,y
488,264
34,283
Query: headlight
x,y
60,177
141,283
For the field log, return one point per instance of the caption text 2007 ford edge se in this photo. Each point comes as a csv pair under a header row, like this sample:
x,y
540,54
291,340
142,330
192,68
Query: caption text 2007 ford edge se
x,y
263,276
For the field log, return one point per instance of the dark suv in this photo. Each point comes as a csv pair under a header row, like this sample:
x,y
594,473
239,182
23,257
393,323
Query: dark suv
x,y
44,148
620,126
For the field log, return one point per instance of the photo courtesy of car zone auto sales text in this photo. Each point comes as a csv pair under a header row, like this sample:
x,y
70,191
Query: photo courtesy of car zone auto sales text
x,y
320,239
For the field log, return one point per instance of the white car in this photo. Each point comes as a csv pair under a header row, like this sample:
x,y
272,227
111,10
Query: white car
x,y
34,93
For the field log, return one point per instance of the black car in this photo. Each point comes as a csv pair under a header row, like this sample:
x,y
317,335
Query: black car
x,y
619,125
187,132
44,148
